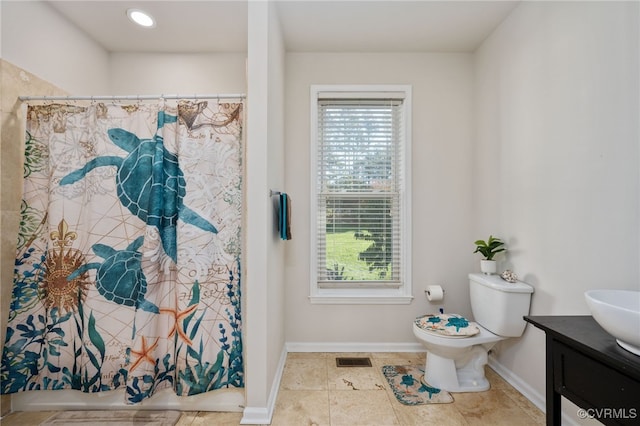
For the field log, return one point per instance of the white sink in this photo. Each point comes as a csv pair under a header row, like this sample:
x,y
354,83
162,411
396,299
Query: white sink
x,y
618,312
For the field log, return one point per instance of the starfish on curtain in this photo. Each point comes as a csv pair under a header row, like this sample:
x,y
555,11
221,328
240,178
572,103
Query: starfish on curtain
x,y
179,315
143,354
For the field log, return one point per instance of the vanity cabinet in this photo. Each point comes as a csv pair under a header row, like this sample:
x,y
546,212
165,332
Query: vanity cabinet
x,y
586,365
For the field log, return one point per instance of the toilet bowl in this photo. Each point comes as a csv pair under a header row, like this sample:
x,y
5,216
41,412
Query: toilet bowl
x,y
456,364
456,359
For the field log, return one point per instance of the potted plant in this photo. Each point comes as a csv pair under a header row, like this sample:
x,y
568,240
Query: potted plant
x,y
489,249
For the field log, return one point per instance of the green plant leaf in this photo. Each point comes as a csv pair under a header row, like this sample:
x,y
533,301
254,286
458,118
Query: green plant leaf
x,y
490,247
95,337
195,298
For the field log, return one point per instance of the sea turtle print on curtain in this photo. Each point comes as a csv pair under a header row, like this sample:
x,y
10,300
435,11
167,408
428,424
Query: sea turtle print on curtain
x,y
128,273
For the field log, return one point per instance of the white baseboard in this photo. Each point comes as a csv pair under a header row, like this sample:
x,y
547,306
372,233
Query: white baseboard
x,y
353,347
516,381
525,389
256,416
263,415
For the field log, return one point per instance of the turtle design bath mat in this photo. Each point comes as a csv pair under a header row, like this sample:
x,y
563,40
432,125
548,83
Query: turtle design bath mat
x,y
407,383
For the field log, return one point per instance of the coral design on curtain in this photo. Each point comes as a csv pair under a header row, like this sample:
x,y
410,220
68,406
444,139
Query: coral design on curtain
x,y
128,266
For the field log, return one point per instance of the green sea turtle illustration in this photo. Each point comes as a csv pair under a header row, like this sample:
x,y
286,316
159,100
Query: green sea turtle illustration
x,y
149,183
119,278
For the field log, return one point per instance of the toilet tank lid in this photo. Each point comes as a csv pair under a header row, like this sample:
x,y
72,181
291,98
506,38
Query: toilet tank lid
x,y
497,283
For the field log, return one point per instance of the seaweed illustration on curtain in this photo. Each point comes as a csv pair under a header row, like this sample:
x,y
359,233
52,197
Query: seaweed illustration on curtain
x,y
235,375
204,376
28,273
25,295
20,364
199,375
78,378
142,387
87,304
41,337
20,361
35,155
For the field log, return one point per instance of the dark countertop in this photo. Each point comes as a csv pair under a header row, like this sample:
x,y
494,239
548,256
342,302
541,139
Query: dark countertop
x,y
585,333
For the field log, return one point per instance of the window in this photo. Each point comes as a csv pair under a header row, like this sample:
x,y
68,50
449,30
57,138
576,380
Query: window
x,y
360,186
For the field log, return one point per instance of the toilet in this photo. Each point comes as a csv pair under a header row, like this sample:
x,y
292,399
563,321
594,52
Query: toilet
x,y
457,349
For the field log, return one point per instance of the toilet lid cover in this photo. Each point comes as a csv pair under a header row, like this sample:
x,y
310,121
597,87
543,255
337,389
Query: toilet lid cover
x,y
447,325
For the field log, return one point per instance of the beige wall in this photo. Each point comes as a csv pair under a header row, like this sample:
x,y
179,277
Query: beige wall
x,y
14,82
441,162
276,171
557,114
264,311
177,73
37,38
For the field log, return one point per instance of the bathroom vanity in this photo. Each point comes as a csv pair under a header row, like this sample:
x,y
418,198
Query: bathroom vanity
x,y
586,365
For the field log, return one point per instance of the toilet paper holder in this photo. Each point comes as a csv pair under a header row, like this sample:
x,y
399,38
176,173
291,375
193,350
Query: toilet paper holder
x,y
434,293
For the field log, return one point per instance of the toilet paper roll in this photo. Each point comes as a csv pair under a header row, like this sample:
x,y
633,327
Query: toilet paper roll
x,y
435,293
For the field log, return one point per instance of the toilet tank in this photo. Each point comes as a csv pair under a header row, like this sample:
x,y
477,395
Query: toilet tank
x,y
499,305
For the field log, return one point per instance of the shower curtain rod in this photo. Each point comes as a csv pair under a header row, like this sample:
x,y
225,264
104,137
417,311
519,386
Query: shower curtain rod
x,y
131,97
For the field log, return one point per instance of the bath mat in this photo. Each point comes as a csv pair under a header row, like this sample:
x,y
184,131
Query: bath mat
x,y
111,418
407,386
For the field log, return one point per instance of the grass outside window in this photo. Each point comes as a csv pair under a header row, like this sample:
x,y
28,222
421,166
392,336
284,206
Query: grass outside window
x,y
343,250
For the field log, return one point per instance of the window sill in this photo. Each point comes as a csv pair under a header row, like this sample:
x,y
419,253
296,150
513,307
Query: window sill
x,y
360,300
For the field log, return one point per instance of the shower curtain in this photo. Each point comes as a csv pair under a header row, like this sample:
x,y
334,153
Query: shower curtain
x,y
128,271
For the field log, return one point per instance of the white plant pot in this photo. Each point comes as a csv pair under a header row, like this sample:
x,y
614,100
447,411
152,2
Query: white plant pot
x,y
488,267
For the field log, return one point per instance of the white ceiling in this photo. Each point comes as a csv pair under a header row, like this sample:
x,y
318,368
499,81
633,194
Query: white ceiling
x,y
308,25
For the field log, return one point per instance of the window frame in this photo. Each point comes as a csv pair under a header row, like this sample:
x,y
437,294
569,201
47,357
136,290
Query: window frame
x,y
358,294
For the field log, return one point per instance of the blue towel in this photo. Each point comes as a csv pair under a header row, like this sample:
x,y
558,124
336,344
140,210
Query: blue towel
x,y
284,217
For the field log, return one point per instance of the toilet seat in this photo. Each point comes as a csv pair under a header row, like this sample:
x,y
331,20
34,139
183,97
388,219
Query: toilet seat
x,y
483,337
447,325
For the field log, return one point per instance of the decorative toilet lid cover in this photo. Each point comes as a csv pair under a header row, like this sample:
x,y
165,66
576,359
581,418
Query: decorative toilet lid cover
x,y
447,325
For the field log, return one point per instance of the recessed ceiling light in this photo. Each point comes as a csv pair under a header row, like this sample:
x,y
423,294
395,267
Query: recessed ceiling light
x,y
141,18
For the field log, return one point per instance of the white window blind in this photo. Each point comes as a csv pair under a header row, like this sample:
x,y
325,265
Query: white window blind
x,y
360,182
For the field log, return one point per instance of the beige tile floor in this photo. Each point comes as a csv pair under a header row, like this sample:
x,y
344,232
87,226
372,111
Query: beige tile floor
x,y
313,391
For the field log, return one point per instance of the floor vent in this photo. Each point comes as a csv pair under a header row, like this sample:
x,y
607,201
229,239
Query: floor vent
x,y
353,362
